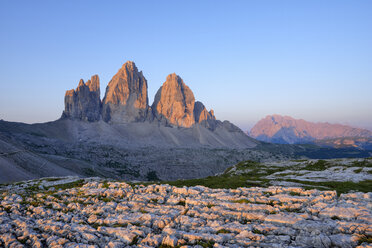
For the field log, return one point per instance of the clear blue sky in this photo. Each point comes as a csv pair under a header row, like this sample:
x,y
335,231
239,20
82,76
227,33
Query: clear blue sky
x,y
245,59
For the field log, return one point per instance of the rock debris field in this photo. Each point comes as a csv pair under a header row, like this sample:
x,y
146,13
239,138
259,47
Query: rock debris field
x,y
73,212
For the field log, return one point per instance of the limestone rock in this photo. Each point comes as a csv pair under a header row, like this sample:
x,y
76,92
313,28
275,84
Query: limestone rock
x,y
126,98
174,103
203,117
84,103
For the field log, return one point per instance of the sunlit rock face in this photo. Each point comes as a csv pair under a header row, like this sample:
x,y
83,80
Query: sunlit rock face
x,y
203,116
174,103
126,98
84,102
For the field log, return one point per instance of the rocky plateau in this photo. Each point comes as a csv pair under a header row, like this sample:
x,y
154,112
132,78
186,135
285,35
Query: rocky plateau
x,y
73,212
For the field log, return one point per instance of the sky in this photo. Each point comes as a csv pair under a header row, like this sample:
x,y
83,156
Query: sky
x,y
243,59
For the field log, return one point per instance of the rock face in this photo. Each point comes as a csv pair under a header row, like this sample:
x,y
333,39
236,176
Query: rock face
x,y
174,103
203,117
126,97
286,130
126,101
84,103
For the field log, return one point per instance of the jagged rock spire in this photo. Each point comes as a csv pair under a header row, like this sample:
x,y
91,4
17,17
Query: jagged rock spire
x,y
126,97
174,103
84,103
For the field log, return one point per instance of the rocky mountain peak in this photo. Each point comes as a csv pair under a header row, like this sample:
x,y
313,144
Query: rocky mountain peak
x,y
126,98
174,102
84,102
203,117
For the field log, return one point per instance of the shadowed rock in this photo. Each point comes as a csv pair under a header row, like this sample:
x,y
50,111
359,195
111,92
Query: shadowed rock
x,y
126,97
84,103
203,117
174,103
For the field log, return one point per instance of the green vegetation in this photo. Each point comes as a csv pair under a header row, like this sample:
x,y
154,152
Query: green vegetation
x,y
340,187
256,231
294,193
105,185
223,231
367,238
253,174
206,244
319,165
209,205
242,201
363,163
181,203
75,184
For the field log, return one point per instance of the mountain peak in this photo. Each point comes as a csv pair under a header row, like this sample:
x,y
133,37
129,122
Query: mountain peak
x,y
174,102
84,102
126,97
285,129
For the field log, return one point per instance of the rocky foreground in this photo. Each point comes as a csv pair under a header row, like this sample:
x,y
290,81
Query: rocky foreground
x,y
68,212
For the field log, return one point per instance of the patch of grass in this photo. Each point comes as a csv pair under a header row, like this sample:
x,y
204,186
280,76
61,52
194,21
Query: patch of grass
x,y
223,181
210,205
143,211
242,201
358,170
293,210
246,165
105,185
294,193
106,199
340,187
206,244
319,165
120,225
223,231
75,184
363,163
366,238
256,231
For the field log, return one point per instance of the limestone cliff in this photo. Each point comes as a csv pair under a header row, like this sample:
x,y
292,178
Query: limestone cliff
x,y
174,103
84,103
203,117
126,97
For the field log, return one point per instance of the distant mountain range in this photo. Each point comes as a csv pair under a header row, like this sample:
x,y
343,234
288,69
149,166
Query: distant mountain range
x,y
287,130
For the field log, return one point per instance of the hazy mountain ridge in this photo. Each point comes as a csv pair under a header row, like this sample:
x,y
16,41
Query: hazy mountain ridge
x,y
287,130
